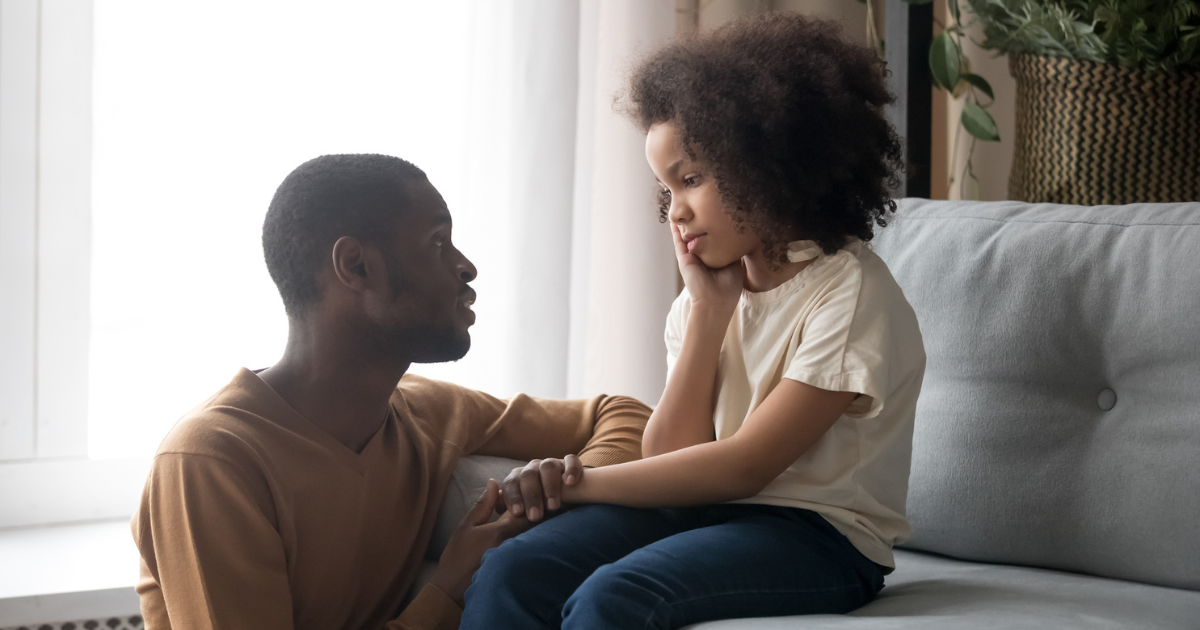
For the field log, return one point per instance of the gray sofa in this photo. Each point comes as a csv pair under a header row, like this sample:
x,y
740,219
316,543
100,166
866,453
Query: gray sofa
x,y
1056,459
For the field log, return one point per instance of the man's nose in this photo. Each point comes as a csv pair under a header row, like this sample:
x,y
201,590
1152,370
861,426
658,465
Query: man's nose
x,y
466,269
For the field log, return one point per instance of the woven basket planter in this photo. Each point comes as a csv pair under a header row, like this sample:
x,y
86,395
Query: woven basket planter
x,y
1091,133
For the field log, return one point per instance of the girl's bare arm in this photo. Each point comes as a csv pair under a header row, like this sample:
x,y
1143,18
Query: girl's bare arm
x,y
792,418
684,416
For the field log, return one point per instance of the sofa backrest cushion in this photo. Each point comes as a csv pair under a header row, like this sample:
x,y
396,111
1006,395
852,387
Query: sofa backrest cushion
x,y
1059,422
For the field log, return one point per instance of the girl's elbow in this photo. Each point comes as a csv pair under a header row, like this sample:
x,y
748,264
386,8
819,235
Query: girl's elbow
x,y
747,483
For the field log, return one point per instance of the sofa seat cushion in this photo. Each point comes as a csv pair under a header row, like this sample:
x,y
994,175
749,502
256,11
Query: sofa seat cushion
x,y
928,592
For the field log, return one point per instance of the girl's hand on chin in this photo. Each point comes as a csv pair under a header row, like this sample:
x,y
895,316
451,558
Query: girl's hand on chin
x,y
715,288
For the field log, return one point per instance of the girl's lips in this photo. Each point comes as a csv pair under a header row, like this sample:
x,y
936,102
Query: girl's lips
x,y
693,242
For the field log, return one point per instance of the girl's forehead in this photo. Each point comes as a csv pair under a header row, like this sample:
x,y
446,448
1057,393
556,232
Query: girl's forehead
x,y
664,142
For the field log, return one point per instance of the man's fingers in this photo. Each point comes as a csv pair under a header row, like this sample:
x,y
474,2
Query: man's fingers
x,y
512,492
501,507
573,470
482,512
508,526
531,490
551,474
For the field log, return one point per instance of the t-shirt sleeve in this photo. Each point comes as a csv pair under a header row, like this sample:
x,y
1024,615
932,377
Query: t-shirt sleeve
x,y
844,343
210,552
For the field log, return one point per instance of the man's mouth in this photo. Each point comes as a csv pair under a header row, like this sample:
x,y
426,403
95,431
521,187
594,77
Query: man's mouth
x,y
467,298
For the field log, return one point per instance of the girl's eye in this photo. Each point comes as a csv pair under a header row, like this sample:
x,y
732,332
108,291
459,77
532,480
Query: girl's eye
x,y
691,180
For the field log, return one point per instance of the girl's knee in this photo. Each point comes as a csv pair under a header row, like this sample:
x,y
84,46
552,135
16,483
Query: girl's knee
x,y
511,558
614,597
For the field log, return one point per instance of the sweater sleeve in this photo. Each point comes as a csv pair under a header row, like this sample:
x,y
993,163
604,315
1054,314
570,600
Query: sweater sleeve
x,y
210,552
602,430
431,609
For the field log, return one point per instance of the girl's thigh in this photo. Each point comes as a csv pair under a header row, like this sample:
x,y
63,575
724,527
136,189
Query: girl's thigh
x,y
525,582
759,565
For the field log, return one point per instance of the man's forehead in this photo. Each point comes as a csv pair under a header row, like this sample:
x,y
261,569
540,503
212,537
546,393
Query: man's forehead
x,y
426,204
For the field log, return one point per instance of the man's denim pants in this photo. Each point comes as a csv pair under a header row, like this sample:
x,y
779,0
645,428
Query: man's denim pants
x,y
603,566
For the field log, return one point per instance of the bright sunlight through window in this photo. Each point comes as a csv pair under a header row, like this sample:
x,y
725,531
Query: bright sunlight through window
x,y
200,111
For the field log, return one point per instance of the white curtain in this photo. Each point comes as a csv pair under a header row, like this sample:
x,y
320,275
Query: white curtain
x,y
506,105
576,293
623,278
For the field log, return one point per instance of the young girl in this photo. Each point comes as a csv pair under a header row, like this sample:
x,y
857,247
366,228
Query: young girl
x,y
776,463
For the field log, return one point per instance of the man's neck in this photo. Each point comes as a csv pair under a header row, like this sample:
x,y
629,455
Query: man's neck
x,y
331,381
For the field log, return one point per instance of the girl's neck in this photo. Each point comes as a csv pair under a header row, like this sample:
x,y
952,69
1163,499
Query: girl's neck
x,y
761,277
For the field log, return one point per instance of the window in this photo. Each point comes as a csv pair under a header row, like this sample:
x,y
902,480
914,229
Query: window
x,y
140,144
200,111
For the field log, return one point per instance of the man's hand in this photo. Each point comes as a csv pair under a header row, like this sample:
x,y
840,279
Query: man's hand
x,y
473,536
536,489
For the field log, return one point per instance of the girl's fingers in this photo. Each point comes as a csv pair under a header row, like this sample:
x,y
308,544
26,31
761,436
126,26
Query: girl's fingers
x,y
680,246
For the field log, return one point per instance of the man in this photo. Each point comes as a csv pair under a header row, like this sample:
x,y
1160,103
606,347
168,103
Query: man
x,y
304,495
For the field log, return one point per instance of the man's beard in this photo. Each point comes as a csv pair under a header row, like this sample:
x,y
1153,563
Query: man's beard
x,y
435,342
438,344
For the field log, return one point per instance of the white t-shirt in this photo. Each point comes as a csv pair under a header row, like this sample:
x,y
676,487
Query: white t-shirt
x,y
841,324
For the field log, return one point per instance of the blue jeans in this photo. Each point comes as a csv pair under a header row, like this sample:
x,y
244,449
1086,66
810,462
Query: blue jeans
x,y
603,566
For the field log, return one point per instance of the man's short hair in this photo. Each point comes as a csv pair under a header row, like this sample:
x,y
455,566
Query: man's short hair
x,y
324,199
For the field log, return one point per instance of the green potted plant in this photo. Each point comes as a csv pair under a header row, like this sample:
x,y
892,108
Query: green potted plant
x,y
1108,95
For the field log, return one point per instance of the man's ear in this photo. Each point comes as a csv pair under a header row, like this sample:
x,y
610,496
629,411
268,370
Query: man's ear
x,y
353,263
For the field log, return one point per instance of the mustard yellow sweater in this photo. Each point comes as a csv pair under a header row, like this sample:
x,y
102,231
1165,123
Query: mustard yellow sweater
x,y
252,517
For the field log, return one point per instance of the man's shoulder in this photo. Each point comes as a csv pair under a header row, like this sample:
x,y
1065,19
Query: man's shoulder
x,y
444,411
421,393
415,383
228,426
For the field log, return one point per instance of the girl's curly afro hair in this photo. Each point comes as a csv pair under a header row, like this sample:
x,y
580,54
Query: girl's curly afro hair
x,y
789,117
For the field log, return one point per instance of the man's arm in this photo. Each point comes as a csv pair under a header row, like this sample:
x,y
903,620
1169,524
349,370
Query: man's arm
x,y
210,554
536,490
603,430
439,604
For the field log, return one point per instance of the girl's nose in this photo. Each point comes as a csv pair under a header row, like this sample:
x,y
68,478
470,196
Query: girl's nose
x,y
679,212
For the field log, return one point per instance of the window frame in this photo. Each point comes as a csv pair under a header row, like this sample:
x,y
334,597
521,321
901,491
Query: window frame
x,y
46,476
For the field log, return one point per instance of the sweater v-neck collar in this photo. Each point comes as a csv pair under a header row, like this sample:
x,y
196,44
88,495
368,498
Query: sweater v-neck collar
x,y
259,399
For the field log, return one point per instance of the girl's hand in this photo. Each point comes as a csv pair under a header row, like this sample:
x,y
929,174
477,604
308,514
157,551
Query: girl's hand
x,y
710,288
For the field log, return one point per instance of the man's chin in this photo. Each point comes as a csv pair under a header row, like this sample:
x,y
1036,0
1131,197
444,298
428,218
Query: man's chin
x,y
445,350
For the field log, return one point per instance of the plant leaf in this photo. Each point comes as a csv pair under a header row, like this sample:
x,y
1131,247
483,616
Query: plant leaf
x,y
980,83
971,188
979,123
943,61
